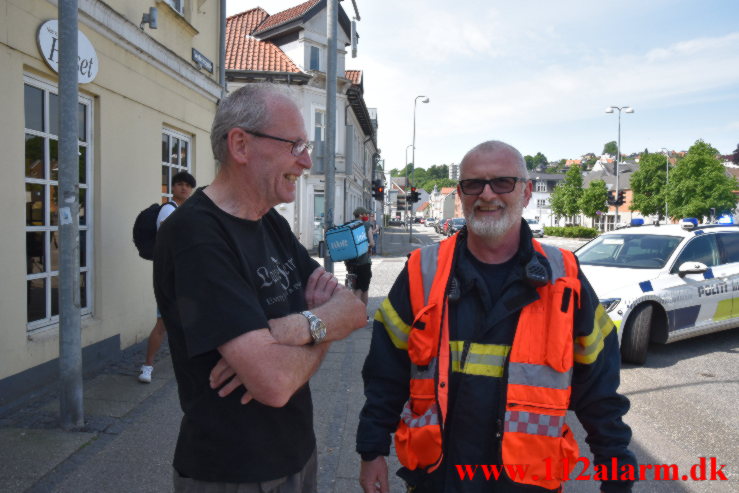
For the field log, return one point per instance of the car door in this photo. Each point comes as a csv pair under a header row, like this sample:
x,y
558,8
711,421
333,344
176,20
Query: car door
x,y
729,269
705,295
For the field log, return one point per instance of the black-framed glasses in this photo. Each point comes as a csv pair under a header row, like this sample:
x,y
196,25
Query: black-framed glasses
x,y
502,184
298,146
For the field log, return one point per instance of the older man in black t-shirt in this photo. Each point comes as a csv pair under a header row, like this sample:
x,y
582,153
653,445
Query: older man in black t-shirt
x,y
244,304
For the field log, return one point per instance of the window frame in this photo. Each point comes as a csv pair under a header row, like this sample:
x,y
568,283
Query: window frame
x,y
51,321
173,168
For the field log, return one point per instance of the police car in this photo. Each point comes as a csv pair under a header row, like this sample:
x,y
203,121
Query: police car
x,y
665,283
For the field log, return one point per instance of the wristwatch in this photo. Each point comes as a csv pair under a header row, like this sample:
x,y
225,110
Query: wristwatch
x,y
317,327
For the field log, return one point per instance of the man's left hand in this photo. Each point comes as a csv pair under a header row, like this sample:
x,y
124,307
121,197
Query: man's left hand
x,y
320,287
222,372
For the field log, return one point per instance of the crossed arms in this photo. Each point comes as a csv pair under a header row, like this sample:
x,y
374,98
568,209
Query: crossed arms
x,y
274,362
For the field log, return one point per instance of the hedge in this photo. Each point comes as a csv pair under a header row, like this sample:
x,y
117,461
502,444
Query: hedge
x,y
571,231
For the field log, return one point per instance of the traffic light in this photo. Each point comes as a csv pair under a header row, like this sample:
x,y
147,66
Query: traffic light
x,y
414,196
378,191
611,200
620,199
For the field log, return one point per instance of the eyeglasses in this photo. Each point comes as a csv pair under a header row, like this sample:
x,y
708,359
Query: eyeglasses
x,y
502,184
298,146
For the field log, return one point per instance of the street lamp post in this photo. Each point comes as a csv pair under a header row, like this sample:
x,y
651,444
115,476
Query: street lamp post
x,y
626,109
407,184
423,99
667,178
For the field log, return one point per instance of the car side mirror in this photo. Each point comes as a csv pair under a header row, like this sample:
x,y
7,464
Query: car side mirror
x,y
691,267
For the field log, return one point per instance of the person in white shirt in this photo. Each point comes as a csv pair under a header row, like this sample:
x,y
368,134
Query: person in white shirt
x,y
183,184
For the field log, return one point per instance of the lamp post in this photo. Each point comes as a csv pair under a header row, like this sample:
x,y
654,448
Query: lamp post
x,y
626,109
423,99
667,177
407,183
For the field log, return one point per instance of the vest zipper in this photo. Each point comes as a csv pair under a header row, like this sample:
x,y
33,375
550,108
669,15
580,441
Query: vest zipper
x,y
465,352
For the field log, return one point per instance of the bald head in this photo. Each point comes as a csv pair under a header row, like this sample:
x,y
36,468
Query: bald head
x,y
496,147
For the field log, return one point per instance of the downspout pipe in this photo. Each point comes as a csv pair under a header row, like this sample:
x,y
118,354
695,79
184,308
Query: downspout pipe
x,y
222,51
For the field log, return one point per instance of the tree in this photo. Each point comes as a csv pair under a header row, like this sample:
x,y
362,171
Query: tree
x,y
438,171
529,162
610,148
648,185
589,161
593,199
735,156
540,160
566,196
699,182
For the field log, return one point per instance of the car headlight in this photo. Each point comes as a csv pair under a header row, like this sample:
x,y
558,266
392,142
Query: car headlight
x,y
610,303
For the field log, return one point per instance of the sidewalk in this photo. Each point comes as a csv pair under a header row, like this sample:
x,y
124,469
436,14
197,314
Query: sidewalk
x,y
131,428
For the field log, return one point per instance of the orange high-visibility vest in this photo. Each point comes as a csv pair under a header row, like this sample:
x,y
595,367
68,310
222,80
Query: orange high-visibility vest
x,y
539,370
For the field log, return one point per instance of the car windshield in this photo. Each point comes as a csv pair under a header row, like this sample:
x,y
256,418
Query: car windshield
x,y
639,251
531,221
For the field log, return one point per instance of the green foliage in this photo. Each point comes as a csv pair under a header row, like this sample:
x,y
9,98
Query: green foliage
x,y
735,156
610,148
571,231
540,160
699,182
594,199
566,196
438,171
589,162
529,162
648,185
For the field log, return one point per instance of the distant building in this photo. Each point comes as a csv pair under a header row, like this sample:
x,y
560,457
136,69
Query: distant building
x,y
454,172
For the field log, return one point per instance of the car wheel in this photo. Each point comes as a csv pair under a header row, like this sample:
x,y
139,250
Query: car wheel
x,y
636,335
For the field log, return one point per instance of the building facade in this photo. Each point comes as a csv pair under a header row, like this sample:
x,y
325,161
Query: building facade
x,y
146,102
291,47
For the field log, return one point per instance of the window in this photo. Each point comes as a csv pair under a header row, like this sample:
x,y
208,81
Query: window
x,y
541,203
319,125
315,57
541,186
175,158
701,249
730,244
178,5
41,182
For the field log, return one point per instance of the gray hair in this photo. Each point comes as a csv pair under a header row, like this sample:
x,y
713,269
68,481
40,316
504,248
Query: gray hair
x,y
247,107
492,146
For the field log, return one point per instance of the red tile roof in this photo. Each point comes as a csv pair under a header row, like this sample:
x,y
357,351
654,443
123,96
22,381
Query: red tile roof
x,y
355,76
286,16
447,190
245,52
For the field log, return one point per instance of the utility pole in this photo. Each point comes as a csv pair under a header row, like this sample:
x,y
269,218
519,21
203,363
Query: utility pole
x,y
332,24
71,413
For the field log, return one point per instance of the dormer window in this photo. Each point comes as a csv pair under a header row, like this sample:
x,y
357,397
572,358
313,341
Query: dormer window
x,y
315,56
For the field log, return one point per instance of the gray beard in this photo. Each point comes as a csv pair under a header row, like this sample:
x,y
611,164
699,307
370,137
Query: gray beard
x,y
493,229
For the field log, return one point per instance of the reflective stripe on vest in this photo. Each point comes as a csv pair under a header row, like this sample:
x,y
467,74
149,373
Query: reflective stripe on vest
x,y
533,423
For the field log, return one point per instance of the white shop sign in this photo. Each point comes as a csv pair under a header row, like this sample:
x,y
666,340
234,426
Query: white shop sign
x,y
87,59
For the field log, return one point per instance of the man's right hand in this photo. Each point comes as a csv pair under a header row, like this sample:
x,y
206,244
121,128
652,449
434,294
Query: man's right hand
x,y
373,476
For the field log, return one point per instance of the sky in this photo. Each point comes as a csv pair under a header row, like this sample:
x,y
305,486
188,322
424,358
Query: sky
x,y
539,74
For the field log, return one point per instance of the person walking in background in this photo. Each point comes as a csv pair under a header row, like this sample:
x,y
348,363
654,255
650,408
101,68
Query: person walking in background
x,y
361,267
484,342
375,227
245,306
183,183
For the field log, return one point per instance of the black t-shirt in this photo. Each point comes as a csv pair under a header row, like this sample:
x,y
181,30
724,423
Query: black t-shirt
x,y
216,277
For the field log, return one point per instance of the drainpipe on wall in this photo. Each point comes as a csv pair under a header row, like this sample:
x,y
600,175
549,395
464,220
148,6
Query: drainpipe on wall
x,y
222,51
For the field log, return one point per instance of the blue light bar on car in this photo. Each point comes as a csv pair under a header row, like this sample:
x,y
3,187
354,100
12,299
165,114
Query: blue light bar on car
x,y
726,219
688,223
637,221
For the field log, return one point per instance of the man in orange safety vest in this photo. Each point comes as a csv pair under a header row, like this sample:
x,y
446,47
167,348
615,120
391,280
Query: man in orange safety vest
x,y
484,343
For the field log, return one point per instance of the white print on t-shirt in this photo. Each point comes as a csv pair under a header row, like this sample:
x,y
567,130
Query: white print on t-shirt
x,y
279,273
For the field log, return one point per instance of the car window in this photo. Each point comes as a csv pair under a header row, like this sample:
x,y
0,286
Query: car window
x,y
730,244
632,251
701,249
